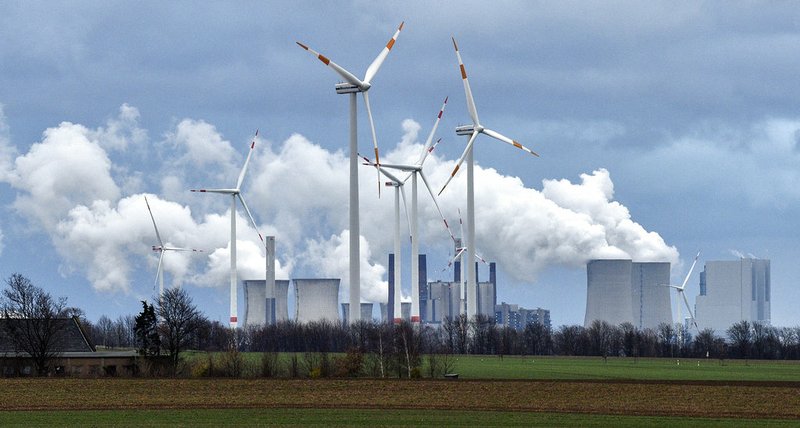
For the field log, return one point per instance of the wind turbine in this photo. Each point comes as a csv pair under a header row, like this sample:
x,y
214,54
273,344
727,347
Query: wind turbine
x,y
353,86
473,131
162,249
236,193
681,290
415,170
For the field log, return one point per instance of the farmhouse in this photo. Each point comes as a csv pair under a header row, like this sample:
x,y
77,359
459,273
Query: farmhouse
x,y
71,354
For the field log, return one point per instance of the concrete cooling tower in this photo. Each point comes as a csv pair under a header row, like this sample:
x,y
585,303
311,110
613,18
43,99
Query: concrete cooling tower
x,y
651,304
620,291
608,291
255,302
316,299
281,300
259,309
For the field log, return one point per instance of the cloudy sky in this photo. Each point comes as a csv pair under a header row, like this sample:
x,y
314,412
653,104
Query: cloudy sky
x,y
664,128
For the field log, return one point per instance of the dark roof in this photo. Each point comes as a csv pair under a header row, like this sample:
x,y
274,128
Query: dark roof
x,y
73,338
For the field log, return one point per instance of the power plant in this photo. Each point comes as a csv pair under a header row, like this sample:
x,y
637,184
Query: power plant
x,y
315,299
619,291
732,291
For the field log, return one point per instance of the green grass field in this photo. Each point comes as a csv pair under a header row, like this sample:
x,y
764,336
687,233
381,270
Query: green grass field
x,y
350,417
594,368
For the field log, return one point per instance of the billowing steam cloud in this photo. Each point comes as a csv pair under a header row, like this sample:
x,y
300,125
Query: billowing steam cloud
x,y
93,210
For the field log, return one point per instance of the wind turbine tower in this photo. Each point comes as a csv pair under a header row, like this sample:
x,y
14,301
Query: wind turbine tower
x,y
473,131
353,86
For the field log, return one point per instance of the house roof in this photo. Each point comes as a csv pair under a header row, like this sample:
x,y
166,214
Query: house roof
x,y
73,338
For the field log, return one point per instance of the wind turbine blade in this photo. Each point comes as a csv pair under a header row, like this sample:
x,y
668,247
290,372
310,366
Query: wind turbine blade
x,y
479,258
183,249
461,159
428,147
686,280
374,138
505,139
158,269
473,112
246,162
158,235
433,196
453,260
390,176
405,207
249,216
688,308
376,64
346,75
461,226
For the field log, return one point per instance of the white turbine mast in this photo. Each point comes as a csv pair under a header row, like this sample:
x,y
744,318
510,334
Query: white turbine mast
x,y
162,249
353,86
236,193
473,131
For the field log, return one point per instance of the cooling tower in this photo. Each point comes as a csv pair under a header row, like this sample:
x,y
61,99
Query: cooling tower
x,y
316,299
281,305
255,303
651,303
608,292
486,297
366,311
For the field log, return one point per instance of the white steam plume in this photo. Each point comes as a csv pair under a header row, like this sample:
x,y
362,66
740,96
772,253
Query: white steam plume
x,y
70,186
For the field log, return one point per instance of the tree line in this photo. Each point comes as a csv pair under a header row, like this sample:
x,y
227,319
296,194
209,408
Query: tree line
x,y
173,324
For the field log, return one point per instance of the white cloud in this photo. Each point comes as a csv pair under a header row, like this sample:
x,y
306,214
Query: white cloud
x,y
65,169
298,191
331,260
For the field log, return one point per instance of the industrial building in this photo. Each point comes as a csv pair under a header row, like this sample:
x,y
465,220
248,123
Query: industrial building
x,y
259,309
517,317
316,299
732,291
619,291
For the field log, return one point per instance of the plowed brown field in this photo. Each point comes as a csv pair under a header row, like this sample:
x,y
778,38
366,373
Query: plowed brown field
x,y
700,399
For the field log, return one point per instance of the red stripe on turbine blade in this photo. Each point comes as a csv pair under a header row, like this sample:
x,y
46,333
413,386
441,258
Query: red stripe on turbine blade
x,y
454,44
455,171
323,59
463,71
390,44
401,26
234,319
446,225
440,114
302,45
253,144
389,184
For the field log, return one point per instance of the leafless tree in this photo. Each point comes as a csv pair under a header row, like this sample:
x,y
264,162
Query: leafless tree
x,y
741,338
33,320
180,320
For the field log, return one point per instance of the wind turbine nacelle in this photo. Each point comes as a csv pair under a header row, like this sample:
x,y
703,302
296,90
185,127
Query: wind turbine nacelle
x,y
465,129
347,88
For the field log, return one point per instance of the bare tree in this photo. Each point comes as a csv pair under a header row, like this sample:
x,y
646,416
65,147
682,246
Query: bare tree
x,y
741,337
34,320
180,320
